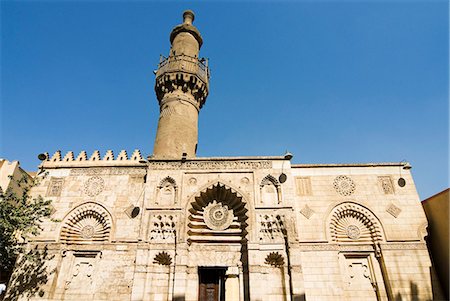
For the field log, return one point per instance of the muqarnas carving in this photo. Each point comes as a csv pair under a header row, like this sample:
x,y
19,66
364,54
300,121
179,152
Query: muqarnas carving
x,y
167,192
89,222
271,228
270,191
163,228
217,214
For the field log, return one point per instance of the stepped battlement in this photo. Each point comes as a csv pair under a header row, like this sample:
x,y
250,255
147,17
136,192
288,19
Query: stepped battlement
x,y
96,159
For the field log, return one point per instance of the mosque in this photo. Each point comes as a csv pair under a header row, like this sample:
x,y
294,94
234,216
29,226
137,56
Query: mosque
x,y
174,226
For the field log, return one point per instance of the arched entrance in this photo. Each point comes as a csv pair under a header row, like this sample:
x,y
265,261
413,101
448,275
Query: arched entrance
x,y
217,239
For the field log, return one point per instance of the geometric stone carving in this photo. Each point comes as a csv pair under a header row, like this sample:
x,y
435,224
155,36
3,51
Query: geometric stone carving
x,y
306,211
226,204
88,222
217,216
386,184
94,185
271,228
55,186
353,223
344,185
303,185
162,228
393,210
162,258
274,259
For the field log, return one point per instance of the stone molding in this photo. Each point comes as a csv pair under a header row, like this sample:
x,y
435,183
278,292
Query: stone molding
x,y
208,165
108,171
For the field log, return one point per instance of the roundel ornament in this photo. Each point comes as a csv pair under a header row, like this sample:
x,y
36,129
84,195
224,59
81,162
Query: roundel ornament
x,y
217,216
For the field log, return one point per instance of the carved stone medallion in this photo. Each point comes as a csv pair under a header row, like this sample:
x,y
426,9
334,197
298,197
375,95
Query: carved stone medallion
x,y
353,232
94,185
87,231
217,216
344,185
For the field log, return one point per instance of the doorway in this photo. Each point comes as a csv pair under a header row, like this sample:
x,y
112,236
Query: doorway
x,y
212,284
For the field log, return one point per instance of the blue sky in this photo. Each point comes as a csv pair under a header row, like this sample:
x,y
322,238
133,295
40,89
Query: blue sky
x,y
331,81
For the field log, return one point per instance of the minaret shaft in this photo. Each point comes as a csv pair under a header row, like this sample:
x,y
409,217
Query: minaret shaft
x,y
181,88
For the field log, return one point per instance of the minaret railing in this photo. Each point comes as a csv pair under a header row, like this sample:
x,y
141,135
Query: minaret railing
x,y
184,63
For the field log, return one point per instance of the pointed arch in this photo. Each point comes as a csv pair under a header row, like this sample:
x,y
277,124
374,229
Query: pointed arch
x,y
167,180
269,179
218,213
167,192
270,191
89,222
352,223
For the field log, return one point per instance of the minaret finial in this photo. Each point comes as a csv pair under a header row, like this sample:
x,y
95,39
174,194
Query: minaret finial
x,y
188,16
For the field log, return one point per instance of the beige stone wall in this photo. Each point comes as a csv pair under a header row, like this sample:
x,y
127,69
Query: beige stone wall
x,y
293,237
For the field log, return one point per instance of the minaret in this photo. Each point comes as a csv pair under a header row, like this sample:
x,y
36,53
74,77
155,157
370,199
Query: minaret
x,y
181,88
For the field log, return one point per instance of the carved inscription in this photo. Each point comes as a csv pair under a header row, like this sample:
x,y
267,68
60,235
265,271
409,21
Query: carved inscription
x,y
212,165
107,171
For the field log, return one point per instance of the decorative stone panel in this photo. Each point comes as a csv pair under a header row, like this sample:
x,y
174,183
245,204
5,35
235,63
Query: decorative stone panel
x,y
89,222
306,211
385,183
303,185
163,227
344,185
271,228
218,214
94,186
55,187
393,210
351,222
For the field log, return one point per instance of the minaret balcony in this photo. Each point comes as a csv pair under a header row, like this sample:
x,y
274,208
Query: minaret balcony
x,y
184,64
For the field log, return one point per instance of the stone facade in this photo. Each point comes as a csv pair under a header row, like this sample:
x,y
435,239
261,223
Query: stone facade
x,y
176,227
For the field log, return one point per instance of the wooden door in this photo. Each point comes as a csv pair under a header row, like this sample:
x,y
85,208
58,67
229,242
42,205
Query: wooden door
x,y
211,286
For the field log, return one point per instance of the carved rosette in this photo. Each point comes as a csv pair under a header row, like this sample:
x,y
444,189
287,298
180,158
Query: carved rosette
x,y
94,186
217,216
344,185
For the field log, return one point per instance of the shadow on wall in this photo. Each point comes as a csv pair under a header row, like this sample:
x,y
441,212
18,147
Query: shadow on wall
x,y
179,298
30,274
414,295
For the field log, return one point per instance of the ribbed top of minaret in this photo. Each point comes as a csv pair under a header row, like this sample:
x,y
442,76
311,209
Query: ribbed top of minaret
x,y
186,26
